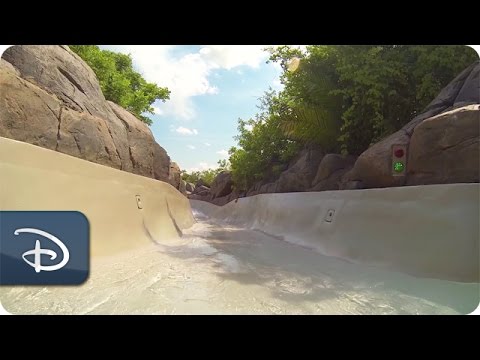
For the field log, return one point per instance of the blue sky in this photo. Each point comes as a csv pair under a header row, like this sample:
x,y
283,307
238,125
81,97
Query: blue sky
x,y
211,87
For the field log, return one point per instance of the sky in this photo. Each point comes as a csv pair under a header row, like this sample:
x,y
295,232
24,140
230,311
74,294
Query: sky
x,y
211,87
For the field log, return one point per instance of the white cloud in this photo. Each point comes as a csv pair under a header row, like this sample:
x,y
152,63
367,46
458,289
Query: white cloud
x,y
223,153
249,127
202,166
207,144
230,56
186,131
187,75
191,147
157,110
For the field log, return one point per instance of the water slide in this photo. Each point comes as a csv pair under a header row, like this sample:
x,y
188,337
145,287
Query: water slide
x,y
409,250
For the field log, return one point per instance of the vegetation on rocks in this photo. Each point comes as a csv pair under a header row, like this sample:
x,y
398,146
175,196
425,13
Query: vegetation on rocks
x,y
342,99
120,83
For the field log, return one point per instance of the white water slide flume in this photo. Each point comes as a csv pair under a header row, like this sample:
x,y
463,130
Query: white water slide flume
x,y
409,250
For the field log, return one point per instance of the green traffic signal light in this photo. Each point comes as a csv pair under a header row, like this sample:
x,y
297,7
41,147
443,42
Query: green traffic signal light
x,y
398,166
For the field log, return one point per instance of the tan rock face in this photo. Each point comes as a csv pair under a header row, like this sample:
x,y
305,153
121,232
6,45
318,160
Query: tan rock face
x,y
443,144
373,167
51,98
300,175
174,176
190,187
330,171
445,148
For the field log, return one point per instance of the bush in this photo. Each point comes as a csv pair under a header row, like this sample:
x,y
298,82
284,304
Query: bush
x,y
341,98
119,82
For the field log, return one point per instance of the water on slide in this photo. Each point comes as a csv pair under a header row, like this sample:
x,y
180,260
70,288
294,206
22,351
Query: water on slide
x,y
218,269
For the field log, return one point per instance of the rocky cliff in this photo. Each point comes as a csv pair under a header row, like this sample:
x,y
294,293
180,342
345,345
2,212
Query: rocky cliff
x,y
51,98
442,146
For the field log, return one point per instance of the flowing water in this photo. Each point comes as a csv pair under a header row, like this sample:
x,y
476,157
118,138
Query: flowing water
x,y
218,269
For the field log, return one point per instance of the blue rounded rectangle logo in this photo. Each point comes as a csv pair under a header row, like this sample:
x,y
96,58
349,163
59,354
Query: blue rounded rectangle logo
x,y
44,248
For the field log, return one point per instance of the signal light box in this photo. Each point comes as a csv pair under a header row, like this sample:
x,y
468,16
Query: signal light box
x,y
399,160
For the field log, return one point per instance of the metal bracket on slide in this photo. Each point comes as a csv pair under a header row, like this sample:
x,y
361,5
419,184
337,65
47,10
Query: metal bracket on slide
x,y
329,216
139,201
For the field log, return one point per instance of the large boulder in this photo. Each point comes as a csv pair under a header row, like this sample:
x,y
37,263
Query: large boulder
x,y
373,167
445,148
299,176
201,193
62,73
174,176
202,190
182,187
51,98
461,91
27,113
222,185
330,171
141,147
200,182
220,201
254,190
190,187
268,188
161,163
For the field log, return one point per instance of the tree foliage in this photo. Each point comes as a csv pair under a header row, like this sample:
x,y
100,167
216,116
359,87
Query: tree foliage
x,y
341,98
120,83
206,176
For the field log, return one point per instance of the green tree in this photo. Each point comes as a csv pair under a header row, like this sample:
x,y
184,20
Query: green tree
x,y
263,148
120,83
363,92
207,176
341,98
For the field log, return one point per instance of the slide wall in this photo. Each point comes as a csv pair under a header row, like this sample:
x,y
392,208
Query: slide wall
x,y
34,178
430,230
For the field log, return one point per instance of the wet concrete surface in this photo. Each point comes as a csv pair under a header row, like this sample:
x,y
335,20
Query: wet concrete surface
x,y
219,269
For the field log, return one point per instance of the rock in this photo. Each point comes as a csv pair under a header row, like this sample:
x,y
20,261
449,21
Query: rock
x,y
27,113
61,72
331,169
190,187
470,91
161,163
221,185
220,201
372,168
460,90
445,148
174,176
268,188
6,66
200,197
182,188
200,182
85,136
53,99
202,191
254,190
332,182
351,185
300,175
